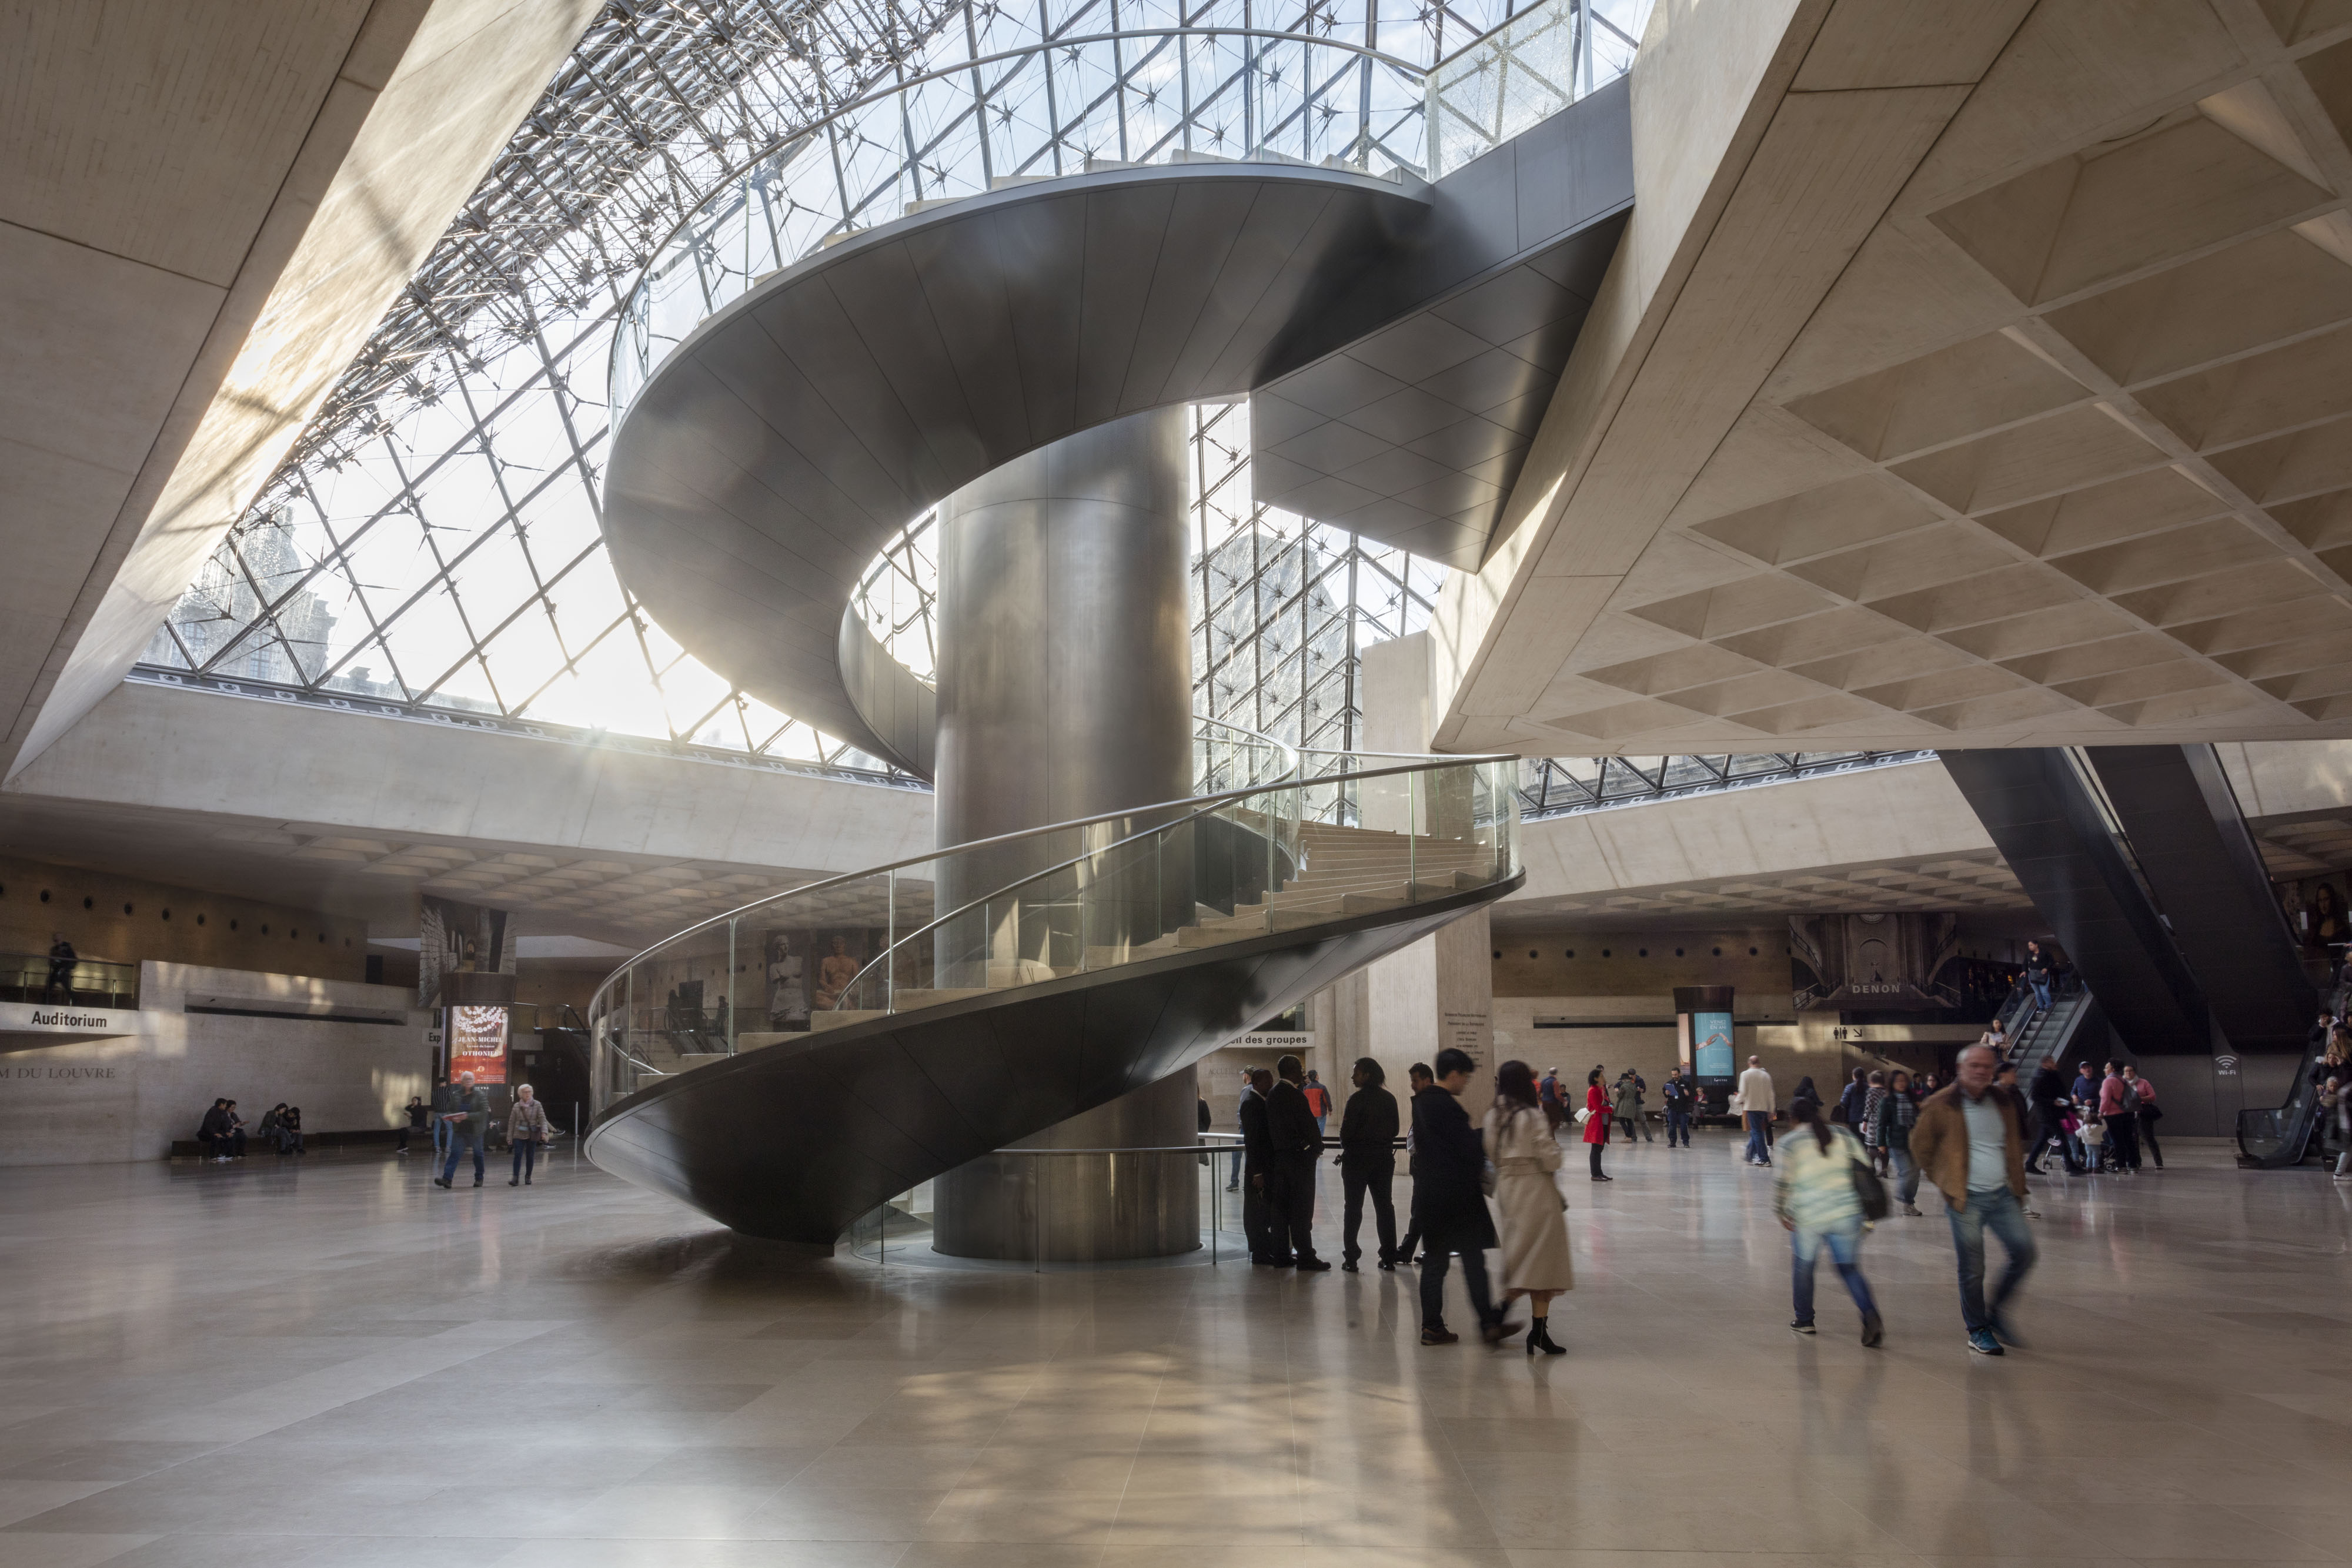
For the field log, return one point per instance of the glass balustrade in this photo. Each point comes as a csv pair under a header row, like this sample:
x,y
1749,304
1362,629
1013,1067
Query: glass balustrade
x,y
1331,836
85,982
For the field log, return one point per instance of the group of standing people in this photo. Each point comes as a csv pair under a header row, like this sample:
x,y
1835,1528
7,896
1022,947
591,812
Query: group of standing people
x,y
2103,1123
1455,1166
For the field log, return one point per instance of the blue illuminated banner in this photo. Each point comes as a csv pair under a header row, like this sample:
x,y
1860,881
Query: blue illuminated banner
x,y
1711,1046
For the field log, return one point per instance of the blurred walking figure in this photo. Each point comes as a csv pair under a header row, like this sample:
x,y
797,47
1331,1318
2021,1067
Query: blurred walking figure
x,y
1816,1203
1970,1141
1449,1201
1368,1130
1897,1114
1526,1160
1626,1103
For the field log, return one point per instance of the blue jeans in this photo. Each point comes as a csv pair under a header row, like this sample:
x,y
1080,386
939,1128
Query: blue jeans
x,y
1999,1212
1678,1125
459,1142
1759,1148
1845,1250
1234,1170
1906,1177
2041,991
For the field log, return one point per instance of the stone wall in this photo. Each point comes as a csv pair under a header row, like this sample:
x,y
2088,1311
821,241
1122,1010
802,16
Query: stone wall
x,y
128,1096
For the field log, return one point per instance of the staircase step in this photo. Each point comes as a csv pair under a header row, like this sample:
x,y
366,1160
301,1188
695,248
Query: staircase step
x,y
840,1018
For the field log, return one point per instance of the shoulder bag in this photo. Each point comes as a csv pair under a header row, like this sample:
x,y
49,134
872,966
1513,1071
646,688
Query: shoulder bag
x,y
1869,1190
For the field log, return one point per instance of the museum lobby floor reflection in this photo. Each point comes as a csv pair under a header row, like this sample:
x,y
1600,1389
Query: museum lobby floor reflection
x,y
336,1364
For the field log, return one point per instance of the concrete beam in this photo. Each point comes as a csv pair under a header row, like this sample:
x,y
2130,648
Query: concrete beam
x,y
210,205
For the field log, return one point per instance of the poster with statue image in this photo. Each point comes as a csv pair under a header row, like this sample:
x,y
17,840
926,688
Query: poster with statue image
x,y
456,938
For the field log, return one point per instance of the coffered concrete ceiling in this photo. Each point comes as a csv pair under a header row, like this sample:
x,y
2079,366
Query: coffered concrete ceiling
x,y
208,204
1995,389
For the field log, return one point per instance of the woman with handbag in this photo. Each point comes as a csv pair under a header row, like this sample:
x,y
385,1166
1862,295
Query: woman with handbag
x,y
1595,1117
527,1133
1525,1156
1819,1198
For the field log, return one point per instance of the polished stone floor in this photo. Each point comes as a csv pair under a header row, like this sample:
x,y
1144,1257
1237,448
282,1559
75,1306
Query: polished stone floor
x,y
337,1365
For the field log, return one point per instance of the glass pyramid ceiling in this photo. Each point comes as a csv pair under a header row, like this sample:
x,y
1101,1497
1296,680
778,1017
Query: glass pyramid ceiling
x,y
432,542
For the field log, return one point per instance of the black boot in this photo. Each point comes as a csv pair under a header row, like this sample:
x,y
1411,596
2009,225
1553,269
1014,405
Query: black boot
x,y
1540,1339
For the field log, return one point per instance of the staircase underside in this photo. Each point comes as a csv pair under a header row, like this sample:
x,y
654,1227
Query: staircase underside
x,y
795,1140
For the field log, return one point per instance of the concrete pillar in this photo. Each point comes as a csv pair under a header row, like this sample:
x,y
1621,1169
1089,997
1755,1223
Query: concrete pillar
x,y
1066,691
1441,990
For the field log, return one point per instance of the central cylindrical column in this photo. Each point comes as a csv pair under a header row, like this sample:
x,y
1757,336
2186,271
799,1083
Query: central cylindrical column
x,y
1066,691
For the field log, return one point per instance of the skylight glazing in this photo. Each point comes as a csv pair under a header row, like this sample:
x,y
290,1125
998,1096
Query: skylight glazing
x,y
433,542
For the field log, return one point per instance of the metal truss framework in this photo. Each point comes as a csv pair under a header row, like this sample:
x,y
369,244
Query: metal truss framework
x,y
1561,786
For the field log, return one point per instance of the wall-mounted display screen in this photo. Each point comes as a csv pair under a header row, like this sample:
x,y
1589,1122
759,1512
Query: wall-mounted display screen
x,y
1711,1047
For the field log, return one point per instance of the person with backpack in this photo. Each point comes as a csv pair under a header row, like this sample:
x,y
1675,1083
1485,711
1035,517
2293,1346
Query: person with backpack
x,y
1318,1102
1892,1119
1818,1197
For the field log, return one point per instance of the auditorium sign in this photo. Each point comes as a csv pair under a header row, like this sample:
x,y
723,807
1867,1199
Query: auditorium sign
x,y
67,1021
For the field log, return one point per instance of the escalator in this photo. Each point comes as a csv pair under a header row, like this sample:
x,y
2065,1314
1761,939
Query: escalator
x,y
2141,862
877,1041
2072,1017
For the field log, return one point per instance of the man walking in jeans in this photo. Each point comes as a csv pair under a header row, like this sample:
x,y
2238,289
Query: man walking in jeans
x,y
1970,1141
1756,1107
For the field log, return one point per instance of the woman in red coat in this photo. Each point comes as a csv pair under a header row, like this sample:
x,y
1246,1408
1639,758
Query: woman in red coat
x,y
1596,1120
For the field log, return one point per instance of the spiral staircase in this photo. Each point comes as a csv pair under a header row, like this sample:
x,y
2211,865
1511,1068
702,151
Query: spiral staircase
x,y
1059,991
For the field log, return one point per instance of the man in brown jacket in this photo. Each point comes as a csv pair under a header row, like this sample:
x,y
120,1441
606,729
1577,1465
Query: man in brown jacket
x,y
1970,1142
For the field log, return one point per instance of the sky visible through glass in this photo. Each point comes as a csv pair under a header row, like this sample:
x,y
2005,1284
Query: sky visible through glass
x,y
434,541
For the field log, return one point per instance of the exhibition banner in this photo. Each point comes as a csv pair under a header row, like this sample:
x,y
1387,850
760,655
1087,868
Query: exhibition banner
x,y
1711,1047
478,1042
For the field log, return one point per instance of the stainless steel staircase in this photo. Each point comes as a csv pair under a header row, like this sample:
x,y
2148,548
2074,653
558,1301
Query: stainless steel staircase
x,y
1145,940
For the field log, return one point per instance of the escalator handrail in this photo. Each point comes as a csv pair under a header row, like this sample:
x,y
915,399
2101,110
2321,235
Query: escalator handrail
x,y
1430,763
1001,840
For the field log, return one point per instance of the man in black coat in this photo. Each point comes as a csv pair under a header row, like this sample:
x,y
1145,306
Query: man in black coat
x,y
2047,1099
1290,1186
1257,1164
1449,1201
1368,1130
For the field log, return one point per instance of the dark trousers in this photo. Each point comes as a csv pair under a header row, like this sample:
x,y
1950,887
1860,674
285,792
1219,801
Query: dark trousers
x,y
2147,1137
1596,1149
1356,1178
1473,1278
1257,1221
2122,1138
1678,1125
526,1157
2046,1129
1290,1199
460,1141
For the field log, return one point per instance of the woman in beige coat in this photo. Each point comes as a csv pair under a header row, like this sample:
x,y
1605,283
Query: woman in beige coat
x,y
527,1131
1519,1142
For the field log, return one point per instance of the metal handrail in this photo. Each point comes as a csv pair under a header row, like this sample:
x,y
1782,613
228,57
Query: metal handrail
x,y
1429,763
1001,840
